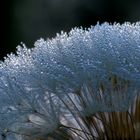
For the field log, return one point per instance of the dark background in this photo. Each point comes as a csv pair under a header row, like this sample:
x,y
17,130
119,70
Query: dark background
x,y
28,20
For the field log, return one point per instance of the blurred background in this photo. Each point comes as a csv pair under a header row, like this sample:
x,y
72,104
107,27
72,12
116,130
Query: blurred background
x,y
28,20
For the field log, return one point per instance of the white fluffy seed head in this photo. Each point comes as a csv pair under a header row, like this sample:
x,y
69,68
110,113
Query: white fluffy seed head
x,y
102,63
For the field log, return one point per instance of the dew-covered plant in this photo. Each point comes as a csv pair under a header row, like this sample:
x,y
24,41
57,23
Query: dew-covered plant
x,y
83,85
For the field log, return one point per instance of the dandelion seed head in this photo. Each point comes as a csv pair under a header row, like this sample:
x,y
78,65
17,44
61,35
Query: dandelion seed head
x,y
99,66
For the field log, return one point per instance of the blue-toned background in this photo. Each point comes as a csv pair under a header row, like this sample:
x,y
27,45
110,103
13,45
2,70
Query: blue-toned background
x,y
28,20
